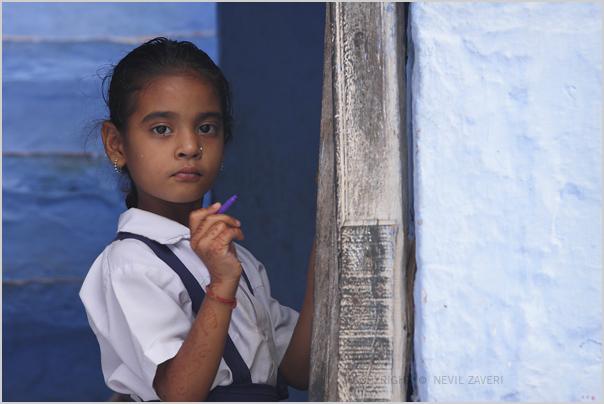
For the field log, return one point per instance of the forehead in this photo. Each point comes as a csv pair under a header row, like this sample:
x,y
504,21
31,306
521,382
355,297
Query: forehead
x,y
177,92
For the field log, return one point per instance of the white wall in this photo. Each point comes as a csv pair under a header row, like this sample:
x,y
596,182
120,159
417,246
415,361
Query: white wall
x,y
506,111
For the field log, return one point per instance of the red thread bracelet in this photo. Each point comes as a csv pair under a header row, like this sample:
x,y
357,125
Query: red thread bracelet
x,y
231,302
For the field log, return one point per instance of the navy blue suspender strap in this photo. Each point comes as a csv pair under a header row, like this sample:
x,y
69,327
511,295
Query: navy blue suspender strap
x,y
242,388
241,373
169,257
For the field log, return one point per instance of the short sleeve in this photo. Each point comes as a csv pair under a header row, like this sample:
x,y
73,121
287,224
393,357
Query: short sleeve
x,y
148,322
283,318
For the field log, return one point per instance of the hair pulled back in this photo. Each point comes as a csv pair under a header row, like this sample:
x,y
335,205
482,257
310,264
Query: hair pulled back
x,y
159,56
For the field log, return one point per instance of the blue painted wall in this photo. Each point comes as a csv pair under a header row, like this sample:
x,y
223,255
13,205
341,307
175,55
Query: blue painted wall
x,y
60,197
273,56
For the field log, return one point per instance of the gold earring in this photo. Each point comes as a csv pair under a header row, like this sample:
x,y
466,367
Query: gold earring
x,y
116,168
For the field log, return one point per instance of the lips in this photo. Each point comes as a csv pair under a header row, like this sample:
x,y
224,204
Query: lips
x,y
188,171
187,174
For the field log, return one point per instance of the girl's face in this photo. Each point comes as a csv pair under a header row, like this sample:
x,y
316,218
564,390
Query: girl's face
x,y
175,116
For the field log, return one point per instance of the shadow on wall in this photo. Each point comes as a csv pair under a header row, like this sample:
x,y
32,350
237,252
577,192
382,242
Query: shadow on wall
x,y
272,55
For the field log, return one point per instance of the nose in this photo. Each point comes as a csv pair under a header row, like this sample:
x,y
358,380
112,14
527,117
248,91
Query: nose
x,y
189,148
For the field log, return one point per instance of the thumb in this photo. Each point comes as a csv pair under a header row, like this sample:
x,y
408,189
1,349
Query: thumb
x,y
198,215
213,208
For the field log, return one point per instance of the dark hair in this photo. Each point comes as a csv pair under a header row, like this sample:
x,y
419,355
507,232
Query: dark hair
x,y
156,57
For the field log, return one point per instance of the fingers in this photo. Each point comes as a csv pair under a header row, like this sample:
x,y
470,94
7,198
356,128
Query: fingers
x,y
211,239
227,235
218,238
197,215
211,220
201,221
222,231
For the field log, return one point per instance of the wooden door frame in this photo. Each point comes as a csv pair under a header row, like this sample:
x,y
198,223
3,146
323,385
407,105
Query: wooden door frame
x,y
365,262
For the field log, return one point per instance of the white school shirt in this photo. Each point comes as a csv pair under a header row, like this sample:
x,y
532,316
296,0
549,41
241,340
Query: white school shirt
x,y
140,311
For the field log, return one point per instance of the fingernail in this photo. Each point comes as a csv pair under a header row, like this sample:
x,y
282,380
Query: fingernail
x,y
238,222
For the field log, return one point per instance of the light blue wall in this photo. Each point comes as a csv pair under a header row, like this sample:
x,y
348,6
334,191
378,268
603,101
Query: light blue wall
x,y
60,197
507,127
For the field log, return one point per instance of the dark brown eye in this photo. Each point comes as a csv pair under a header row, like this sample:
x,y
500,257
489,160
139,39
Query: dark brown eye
x,y
207,128
161,130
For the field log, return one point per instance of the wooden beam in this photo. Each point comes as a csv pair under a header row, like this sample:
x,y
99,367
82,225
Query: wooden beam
x,y
361,329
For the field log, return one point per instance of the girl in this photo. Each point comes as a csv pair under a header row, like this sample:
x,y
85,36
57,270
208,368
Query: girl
x,y
182,312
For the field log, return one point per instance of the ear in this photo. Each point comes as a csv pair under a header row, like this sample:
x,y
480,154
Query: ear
x,y
114,143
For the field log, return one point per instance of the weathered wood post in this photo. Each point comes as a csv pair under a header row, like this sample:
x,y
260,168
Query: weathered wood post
x,y
363,314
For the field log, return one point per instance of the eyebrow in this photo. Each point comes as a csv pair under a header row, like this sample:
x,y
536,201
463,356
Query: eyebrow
x,y
170,114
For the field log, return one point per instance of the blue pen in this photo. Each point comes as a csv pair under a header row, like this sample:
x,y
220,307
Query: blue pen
x,y
227,204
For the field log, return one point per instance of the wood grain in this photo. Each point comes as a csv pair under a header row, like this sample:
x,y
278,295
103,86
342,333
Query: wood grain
x,y
362,327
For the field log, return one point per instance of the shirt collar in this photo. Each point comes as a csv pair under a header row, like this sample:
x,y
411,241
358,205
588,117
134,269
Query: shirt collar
x,y
153,226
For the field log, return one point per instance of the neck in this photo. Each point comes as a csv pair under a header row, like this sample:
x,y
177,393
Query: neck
x,y
179,212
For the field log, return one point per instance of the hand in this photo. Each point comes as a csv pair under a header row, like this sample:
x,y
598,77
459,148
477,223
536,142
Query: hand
x,y
211,236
